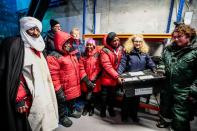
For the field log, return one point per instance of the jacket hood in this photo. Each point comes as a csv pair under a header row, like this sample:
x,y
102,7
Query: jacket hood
x,y
110,37
105,43
60,38
104,40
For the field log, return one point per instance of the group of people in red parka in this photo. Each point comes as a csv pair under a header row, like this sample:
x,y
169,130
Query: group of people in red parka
x,y
84,71
92,74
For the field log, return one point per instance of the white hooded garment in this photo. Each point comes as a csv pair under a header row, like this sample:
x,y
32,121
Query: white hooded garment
x,y
43,114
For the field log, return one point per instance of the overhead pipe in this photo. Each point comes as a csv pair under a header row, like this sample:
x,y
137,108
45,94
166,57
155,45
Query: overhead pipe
x,y
41,9
84,16
180,10
170,16
38,8
57,3
94,17
32,7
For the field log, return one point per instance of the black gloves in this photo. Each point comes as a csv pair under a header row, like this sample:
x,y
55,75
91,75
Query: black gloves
x,y
93,81
89,84
154,70
61,98
20,104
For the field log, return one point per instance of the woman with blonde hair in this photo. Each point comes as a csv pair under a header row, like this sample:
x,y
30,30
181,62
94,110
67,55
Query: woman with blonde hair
x,y
137,40
136,58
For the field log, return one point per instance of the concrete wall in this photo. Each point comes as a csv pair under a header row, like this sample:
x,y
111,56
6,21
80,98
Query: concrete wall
x,y
134,16
121,16
192,7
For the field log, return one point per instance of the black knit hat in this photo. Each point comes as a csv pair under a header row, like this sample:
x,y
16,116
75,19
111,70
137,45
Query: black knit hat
x,y
110,37
53,22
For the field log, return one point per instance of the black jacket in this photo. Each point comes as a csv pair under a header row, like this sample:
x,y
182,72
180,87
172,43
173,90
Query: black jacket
x,y
49,42
11,64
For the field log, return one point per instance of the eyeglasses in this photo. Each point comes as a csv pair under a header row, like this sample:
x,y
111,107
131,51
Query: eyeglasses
x,y
137,41
178,37
57,26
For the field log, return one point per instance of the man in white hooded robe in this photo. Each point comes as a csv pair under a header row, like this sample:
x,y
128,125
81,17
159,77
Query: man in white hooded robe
x,y
27,92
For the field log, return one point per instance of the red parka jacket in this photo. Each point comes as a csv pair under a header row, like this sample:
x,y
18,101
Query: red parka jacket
x,y
23,96
90,66
110,62
64,68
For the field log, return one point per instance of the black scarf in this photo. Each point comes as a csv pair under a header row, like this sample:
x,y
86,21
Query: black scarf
x,y
11,64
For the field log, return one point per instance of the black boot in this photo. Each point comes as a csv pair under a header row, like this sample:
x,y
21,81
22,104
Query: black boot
x,y
91,111
124,109
124,115
75,114
124,118
111,112
62,109
85,111
65,121
162,123
135,119
103,112
103,105
134,108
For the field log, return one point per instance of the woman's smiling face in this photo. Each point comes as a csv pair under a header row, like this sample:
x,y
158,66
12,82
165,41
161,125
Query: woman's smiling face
x,y
137,42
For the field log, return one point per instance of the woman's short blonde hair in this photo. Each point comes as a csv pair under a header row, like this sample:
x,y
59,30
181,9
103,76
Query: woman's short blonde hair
x,y
128,45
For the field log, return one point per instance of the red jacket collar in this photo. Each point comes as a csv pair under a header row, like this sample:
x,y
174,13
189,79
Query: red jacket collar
x,y
38,53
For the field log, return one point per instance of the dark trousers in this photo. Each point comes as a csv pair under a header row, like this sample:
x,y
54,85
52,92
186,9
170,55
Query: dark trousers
x,y
71,106
108,94
90,103
166,103
130,107
178,109
62,110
